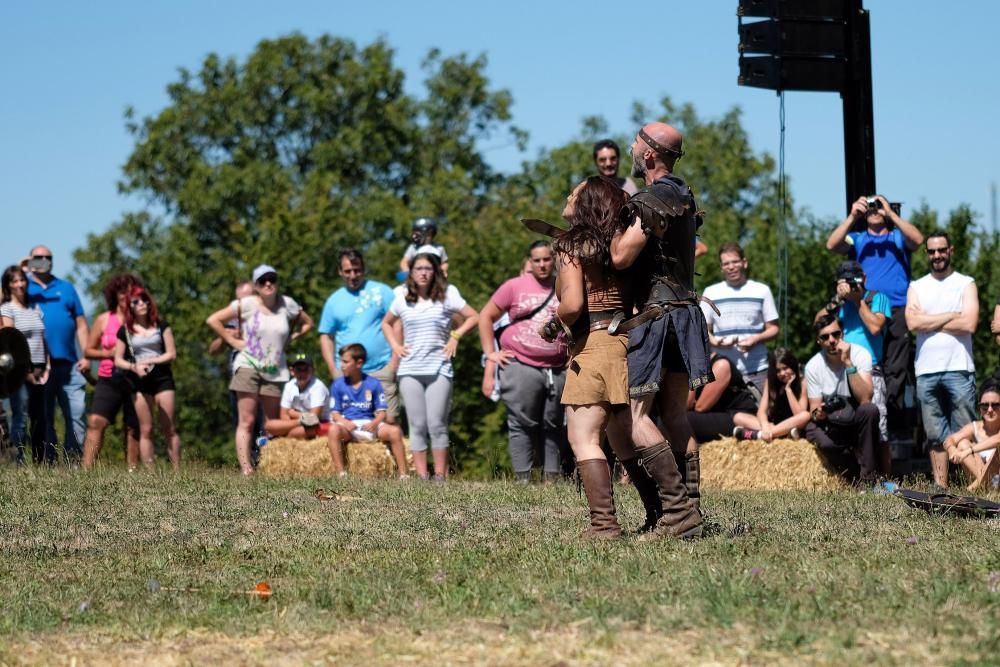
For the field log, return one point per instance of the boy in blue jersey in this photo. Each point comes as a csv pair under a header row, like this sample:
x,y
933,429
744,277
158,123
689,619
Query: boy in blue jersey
x,y
358,410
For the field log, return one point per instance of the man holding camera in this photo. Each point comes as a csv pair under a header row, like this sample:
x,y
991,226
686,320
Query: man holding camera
x,y
863,313
878,238
942,309
839,387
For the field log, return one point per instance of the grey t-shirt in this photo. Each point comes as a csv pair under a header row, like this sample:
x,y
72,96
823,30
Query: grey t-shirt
x,y
29,322
143,346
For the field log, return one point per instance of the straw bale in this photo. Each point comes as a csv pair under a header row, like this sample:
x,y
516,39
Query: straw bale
x,y
291,457
759,465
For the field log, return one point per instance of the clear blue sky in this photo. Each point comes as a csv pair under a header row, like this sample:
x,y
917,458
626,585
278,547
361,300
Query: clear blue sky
x,y
69,69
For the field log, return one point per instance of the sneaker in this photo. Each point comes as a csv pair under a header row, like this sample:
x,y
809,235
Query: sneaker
x,y
794,434
262,440
308,419
745,433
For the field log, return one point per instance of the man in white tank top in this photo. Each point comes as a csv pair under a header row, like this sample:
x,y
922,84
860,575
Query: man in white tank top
x,y
942,309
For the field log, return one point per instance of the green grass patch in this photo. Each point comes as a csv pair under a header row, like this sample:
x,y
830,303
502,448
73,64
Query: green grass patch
x,y
408,570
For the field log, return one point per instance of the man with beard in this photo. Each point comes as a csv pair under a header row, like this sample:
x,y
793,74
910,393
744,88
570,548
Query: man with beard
x,y
606,155
942,309
668,340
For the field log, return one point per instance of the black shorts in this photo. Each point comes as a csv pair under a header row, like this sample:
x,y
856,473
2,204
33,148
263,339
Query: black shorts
x,y
160,379
111,395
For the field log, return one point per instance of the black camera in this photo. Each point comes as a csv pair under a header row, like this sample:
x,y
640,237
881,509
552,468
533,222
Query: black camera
x,y
874,204
833,305
832,403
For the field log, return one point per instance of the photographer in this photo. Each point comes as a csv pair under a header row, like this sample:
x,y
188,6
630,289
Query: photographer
x,y
422,240
839,388
864,314
874,235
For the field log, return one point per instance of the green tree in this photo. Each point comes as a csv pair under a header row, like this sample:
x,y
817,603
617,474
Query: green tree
x,y
303,148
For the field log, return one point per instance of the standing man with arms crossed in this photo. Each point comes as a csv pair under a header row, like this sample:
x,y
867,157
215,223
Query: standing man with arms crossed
x,y
942,308
883,249
353,314
668,341
65,329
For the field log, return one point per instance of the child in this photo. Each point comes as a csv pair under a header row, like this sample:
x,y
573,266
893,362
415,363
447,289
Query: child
x,y
974,445
357,411
784,407
305,404
422,240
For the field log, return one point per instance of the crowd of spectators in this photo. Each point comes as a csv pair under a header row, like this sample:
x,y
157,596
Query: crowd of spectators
x,y
387,349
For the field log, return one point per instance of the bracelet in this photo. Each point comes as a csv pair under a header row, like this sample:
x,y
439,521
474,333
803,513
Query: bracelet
x,y
456,335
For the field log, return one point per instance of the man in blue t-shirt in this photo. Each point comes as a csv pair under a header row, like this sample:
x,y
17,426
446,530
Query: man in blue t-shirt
x,y
878,238
65,328
358,411
353,314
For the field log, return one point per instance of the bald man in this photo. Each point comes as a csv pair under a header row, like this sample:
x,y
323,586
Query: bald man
x,y
668,340
66,339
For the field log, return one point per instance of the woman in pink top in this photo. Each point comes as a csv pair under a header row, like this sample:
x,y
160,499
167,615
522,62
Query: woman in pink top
x,y
110,393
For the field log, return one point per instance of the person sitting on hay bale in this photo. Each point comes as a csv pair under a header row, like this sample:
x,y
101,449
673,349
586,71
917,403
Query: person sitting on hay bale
x,y
305,404
358,410
974,445
712,408
784,407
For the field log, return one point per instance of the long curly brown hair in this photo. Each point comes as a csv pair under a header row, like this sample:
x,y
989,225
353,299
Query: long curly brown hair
x,y
594,221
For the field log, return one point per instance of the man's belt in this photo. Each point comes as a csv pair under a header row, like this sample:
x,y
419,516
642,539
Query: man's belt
x,y
654,312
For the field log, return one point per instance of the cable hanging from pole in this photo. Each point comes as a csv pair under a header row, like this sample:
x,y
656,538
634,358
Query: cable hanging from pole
x,y
782,244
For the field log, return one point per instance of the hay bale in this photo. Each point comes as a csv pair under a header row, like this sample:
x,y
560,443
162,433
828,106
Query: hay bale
x,y
291,457
758,465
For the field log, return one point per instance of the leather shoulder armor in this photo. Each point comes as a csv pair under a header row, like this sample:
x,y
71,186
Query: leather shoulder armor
x,y
657,205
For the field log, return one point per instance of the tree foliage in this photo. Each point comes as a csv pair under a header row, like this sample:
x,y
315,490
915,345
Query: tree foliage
x,y
308,146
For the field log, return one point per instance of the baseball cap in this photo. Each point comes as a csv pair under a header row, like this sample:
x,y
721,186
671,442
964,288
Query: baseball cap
x,y
263,270
849,269
300,358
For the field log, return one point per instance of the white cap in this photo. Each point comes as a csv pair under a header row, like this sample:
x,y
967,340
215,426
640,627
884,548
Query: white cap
x,y
263,270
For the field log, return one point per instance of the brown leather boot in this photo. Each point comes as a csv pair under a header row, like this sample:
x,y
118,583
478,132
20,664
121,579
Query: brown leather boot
x,y
680,518
692,478
600,496
648,493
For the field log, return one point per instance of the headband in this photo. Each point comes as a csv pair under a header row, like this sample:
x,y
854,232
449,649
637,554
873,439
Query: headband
x,y
657,146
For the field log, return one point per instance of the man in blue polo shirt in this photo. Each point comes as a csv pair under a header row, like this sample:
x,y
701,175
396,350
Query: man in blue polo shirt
x,y
65,328
879,239
353,314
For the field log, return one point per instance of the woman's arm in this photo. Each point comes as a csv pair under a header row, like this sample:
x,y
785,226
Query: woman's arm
x,y
217,323
571,292
765,406
471,321
389,331
169,349
120,357
94,350
798,403
305,325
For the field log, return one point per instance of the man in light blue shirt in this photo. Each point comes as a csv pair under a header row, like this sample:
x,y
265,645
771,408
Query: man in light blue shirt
x,y
65,328
353,314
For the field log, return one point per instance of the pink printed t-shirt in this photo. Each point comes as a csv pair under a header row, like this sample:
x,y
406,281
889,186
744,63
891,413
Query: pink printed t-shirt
x,y
518,297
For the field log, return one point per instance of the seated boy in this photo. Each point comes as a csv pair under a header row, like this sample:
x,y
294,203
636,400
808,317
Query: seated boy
x,y
305,404
357,411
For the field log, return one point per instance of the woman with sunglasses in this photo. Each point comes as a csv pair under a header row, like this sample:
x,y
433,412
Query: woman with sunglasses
x,y
425,370
111,393
27,404
145,350
974,446
267,323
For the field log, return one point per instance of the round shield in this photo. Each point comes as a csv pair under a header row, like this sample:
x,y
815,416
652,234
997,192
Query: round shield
x,y
15,360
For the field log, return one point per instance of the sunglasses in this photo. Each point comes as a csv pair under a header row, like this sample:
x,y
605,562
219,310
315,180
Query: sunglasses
x,y
142,299
268,278
985,407
41,257
937,251
832,334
